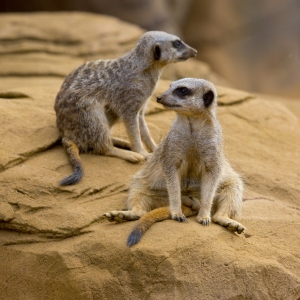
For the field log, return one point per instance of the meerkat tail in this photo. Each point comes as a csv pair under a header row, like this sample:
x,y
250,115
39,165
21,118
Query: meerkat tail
x,y
73,154
156,215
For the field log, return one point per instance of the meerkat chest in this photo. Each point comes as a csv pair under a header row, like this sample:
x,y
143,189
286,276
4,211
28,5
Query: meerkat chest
x,y
197,154
191,163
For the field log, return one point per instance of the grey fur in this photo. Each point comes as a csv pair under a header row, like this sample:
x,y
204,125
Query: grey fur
x,y
99,93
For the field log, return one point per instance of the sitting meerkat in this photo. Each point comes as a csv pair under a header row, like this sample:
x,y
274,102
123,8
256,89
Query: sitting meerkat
x,y
189,164
99,93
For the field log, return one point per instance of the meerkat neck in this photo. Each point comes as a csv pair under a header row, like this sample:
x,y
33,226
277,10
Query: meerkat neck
x,y
207,118
144,60
197,123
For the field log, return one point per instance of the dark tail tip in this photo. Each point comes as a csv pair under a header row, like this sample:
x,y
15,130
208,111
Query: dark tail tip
x,y
134,237
73,178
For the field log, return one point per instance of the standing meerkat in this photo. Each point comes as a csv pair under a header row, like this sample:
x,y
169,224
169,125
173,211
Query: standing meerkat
x,y
99,93
189,163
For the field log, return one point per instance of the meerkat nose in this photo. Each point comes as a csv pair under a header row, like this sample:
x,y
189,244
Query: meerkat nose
x,y
158,99
195,51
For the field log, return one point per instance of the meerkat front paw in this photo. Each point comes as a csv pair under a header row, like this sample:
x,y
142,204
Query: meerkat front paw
x,y
179,217
205,221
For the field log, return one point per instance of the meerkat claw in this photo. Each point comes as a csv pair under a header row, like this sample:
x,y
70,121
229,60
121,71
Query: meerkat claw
x,y
241,229
204,223
180,218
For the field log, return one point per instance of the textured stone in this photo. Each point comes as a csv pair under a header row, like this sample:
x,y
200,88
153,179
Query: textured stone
x,y
6,212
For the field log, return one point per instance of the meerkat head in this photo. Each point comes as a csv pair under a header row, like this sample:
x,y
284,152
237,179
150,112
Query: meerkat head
x,y
190,96
164,48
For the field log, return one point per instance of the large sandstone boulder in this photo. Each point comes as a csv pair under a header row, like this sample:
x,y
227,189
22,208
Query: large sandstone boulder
x,y
55,243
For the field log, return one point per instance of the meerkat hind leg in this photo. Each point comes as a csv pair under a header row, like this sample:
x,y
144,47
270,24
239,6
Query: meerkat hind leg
x,y
228,204
121,143
194,205
231,224
222,216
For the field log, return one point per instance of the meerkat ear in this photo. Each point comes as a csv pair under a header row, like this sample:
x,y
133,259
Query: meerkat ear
x,y
157,52
208,98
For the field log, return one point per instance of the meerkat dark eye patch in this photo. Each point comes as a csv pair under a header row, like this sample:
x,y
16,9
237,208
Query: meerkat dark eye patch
x,y
157,52
177,43
183,91
208,98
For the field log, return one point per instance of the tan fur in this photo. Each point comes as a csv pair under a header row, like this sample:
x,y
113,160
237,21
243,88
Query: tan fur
x,y
99,93
189,164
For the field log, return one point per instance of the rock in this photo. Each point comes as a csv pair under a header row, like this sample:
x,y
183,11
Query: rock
x,y
6,212
32,44
55,243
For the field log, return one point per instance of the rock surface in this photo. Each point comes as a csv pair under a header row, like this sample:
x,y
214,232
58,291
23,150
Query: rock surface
x,y
54,242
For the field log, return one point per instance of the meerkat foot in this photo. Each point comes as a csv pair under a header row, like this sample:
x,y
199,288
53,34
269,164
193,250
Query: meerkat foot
x,y
205,221
230,224
191,203
236,227
130,156
114,216
135,157
144,153
179,217
120,216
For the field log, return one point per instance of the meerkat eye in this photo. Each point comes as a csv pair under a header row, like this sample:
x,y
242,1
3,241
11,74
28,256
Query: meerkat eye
x,y
208,98
177,43
182,91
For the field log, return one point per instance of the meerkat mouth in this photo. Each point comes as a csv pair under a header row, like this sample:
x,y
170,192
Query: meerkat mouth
x,y
183,58
171,106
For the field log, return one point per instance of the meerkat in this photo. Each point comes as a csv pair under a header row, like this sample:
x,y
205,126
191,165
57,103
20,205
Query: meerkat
x,y
188,173
99,93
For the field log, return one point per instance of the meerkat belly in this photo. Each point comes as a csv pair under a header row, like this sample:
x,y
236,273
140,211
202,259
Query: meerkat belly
x,y
190,171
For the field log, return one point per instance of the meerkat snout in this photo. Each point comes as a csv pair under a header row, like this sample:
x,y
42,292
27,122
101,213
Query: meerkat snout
x,y
189,53
158,99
